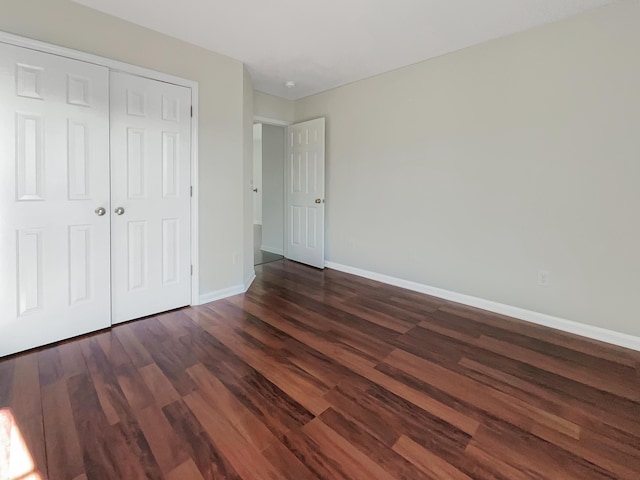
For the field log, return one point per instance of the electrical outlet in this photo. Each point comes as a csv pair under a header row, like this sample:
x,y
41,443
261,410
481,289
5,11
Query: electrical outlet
x,y
543,278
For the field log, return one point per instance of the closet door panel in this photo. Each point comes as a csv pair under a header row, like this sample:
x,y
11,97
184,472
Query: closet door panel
x,y
54,174
151,179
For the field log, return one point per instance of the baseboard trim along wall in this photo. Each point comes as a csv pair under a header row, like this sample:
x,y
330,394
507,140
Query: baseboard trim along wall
x,y
226,292
277,251
569,326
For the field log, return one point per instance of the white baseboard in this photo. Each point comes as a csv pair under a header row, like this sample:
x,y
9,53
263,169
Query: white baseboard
x,y
226,292
570,326
277,251
248,283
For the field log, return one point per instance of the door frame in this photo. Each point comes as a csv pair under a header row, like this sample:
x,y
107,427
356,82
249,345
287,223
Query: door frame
x,y
284,124
118,66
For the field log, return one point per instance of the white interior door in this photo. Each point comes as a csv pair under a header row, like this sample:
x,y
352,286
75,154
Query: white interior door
x,y
304,206
150,188
54,170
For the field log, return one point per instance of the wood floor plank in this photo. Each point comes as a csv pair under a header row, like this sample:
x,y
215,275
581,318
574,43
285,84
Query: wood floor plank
x,y
337,455
134,388
207,457
105,454
222,400
26,406
7,369
492,401
158,385
71,358
322,375
390,461
64,454
245,458
165,445
431,465
187,471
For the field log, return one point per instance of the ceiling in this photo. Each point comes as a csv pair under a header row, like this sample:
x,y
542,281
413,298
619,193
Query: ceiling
x,y
323,44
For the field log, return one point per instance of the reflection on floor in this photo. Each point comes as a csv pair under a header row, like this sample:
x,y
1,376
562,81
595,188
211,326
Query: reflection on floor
x,y
261,256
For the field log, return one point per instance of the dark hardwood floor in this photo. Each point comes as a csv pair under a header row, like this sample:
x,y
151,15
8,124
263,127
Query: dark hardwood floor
x,y
322,375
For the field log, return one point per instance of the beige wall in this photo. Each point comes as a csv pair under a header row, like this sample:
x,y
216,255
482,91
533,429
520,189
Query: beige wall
x,y
68,24
272,107
472,171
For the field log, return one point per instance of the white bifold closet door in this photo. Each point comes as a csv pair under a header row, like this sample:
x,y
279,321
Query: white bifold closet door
x,y
150,196
54,170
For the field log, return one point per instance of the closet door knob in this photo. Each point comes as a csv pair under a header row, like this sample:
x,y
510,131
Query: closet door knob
x,y
100,211
119,211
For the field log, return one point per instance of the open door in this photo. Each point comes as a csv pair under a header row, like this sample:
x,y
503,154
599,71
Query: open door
x,y
304,193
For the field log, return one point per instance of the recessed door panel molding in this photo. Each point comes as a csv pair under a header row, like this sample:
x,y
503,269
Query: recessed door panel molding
x,y
54,248
78,90
305,193
150,179
312,225
80,259
296,172
170,163
296,225
170,250
312,172
29,272
170,109
78,163
29,81
136,175
137,247
29,157
136,103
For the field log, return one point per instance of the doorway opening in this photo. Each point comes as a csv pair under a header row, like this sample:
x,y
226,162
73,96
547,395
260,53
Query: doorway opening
x,y
268,192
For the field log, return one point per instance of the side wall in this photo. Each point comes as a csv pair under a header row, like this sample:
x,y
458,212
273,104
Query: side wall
x,y
68,24
473,171
267,106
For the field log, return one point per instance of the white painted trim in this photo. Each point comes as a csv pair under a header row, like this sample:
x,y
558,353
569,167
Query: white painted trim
x,y
195,211
226,292
118,66
220,294
570,326
277,251
250,281
95,59
271,121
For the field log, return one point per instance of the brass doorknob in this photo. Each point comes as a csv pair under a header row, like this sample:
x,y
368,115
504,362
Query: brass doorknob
x,y
318,200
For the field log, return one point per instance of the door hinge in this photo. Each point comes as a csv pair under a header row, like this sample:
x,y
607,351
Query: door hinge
x,y
192,270
191,191
191,111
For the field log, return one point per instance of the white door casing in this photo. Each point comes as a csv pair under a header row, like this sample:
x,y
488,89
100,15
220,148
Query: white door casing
x,y
54,170
150,182
304,192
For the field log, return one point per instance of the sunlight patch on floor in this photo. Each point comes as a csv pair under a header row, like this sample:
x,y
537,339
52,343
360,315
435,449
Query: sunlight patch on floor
x,y
16,462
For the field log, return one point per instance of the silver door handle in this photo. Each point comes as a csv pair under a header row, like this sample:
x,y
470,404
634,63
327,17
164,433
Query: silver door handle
x,y
255,190
119,211
100,211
